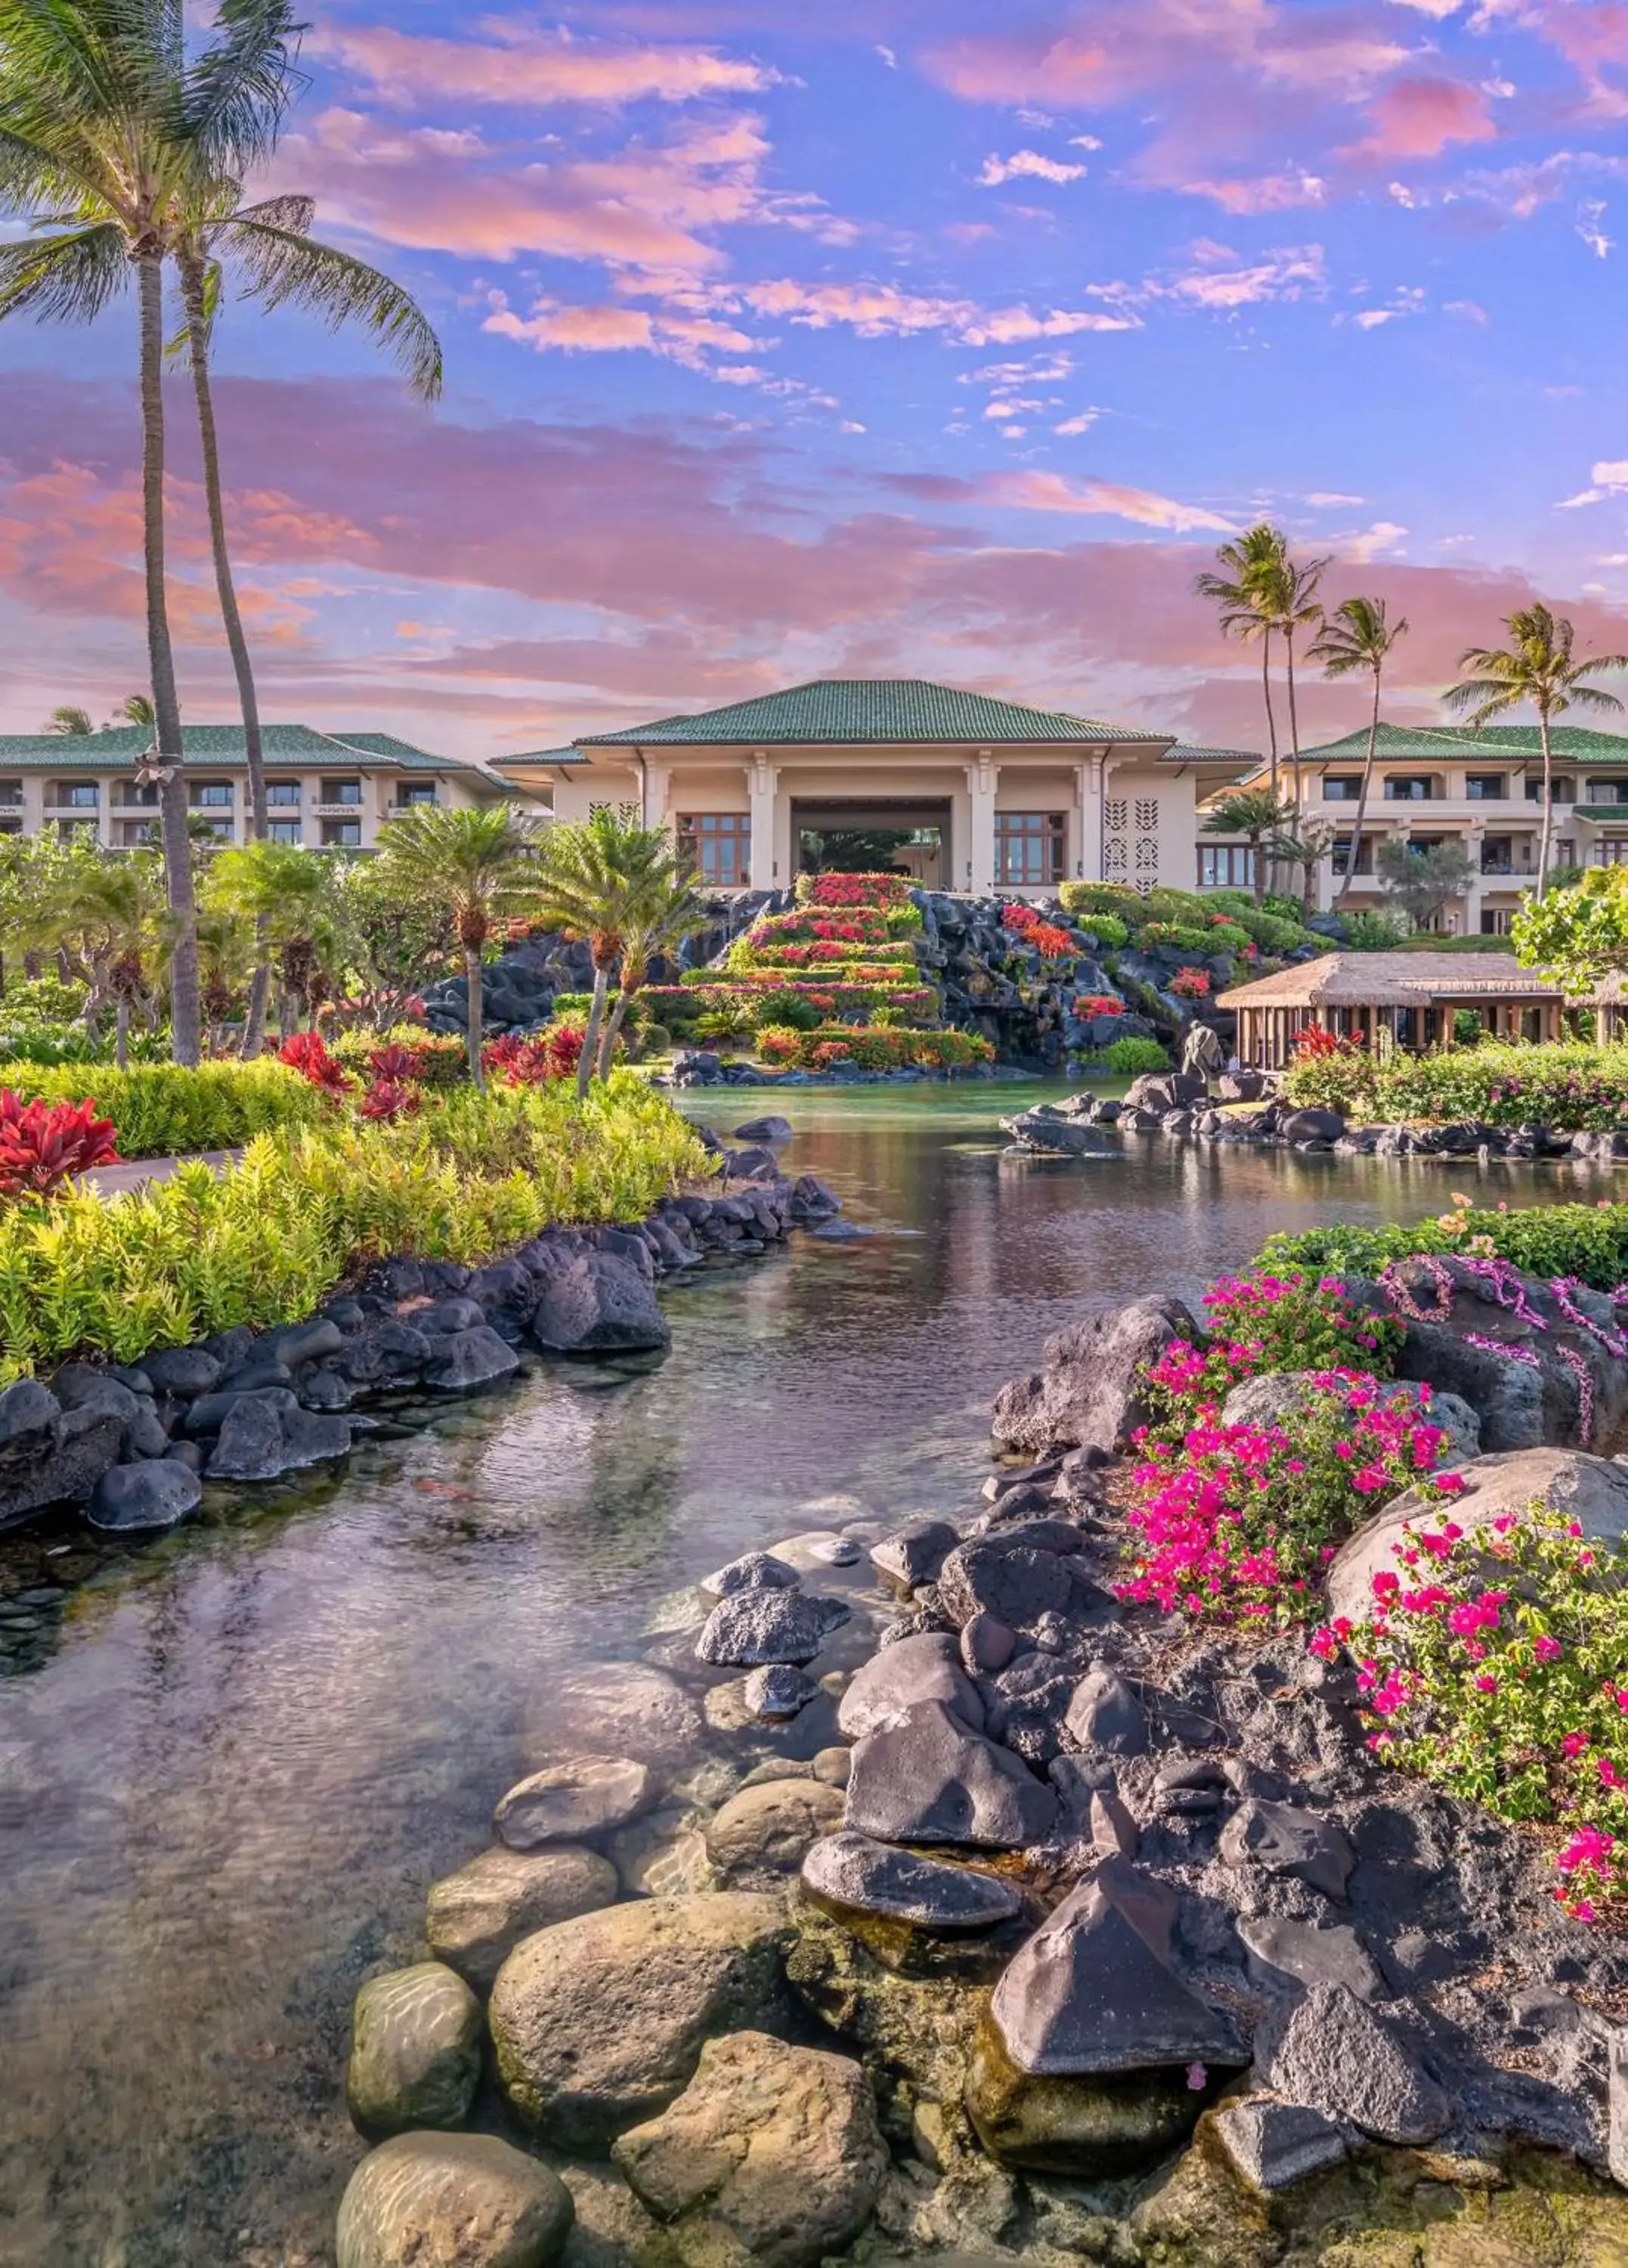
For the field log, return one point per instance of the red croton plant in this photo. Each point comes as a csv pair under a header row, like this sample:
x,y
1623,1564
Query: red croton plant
x,y
42,1145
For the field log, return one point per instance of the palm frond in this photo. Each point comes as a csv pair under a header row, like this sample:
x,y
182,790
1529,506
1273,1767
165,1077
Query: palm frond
x,y
288,269
69,278
239,86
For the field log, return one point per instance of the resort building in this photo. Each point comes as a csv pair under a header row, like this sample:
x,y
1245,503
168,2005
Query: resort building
x,y
970,792
327,791
1481,787
1411,1000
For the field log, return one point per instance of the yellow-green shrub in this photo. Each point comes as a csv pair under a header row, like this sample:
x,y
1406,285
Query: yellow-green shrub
x,y
161,1110
266,1241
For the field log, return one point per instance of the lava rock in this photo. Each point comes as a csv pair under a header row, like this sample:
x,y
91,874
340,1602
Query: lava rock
x,y
1104,1713
1312,1126
1275,2145
184,1371
1337,2057
585,1795
987,1643
914,1553
453,2201
927,1780
1592,1491
1093,1385
136,1498
1283,1840
748,1628
415,2051
1273,1396
1000,1575
266,1434
753,1571
598,1303
856,1871
779,1692
900,1678
1282,1950
771,1129
469,1359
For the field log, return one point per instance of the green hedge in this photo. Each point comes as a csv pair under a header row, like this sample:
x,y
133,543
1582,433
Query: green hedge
x,y
1564,1085
161,1110
1565,1239
267,1241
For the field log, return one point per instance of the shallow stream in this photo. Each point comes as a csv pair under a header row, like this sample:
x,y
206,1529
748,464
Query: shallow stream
x,y
230,1764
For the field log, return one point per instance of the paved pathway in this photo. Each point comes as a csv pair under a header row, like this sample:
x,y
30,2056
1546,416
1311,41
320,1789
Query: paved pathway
x,y
109,1180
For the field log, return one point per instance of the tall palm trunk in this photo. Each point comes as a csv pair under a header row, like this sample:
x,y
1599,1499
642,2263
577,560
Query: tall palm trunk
x,y
122,1032
1363,801
472,969
1548,827
193,292
1271,719
185,1041
596,1020
1257,867
1288,650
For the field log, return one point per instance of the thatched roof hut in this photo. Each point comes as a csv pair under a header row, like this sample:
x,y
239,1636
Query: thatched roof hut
x,y
1413,996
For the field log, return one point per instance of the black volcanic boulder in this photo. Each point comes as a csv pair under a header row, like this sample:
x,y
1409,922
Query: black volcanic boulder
x,y
598,1303
1091,1388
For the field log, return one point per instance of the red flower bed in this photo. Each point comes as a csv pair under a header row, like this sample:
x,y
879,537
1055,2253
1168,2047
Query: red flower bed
x,y
42,1145
306,1053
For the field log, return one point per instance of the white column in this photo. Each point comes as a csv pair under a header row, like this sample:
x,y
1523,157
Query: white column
x,y
982,779
657,792
1087,844
761,775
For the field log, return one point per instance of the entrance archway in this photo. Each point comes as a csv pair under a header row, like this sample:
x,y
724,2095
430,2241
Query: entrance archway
x,y
899,833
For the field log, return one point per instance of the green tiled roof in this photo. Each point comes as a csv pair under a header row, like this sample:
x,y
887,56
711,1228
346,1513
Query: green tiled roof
x,y
1577,743
879,711
221,744
538,756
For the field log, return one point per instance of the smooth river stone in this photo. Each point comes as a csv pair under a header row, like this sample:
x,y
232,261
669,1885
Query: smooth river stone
x,y
853,1870
453,2201
586,1796
477,1917
903,1675
415,2051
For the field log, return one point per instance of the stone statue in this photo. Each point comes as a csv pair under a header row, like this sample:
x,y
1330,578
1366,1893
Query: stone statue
x,y
1202,1056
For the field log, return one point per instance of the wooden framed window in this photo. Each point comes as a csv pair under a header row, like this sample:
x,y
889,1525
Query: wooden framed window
x,y
1226,867
716,845
1029,850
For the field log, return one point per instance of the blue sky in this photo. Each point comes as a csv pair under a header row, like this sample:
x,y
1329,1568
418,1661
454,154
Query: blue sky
x,y
933,339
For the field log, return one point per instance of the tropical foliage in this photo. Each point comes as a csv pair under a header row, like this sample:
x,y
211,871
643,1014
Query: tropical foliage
x,y
1500,1082
1586,1241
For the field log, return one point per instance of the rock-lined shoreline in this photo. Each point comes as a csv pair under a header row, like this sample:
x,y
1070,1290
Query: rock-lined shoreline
x,y
133,1445
1246,1109
913,1892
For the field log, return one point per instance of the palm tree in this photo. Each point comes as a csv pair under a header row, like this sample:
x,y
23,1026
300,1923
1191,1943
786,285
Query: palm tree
x,y
1261,815
1304,845
110,119
1292,594
1356,635
135,709
69,723
283,266
662,911
284,891
1538,664
1245,591
112,914
600,876
479,864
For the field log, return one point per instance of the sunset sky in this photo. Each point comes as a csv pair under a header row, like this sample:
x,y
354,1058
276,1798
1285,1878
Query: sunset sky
x,y
878,336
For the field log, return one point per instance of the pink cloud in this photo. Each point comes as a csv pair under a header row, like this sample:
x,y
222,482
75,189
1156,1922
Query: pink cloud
x,y
1421,117
518,65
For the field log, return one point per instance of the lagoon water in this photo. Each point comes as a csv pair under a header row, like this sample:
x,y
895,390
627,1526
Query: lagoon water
x,y
226,1783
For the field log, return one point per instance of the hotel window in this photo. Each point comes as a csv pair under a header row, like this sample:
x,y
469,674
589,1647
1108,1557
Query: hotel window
x,y
130,793
283,830
342,834
220,829
1339,856
1417,788
415,798
280,795
76,795
341,791
11,794
716,845
1565,852
1560,791
1487,787
1029,850
136,833
1495,920
1226,867
1342,787
211,795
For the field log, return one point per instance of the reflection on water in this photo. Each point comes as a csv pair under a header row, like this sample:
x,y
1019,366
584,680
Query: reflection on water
x,y
224,1793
